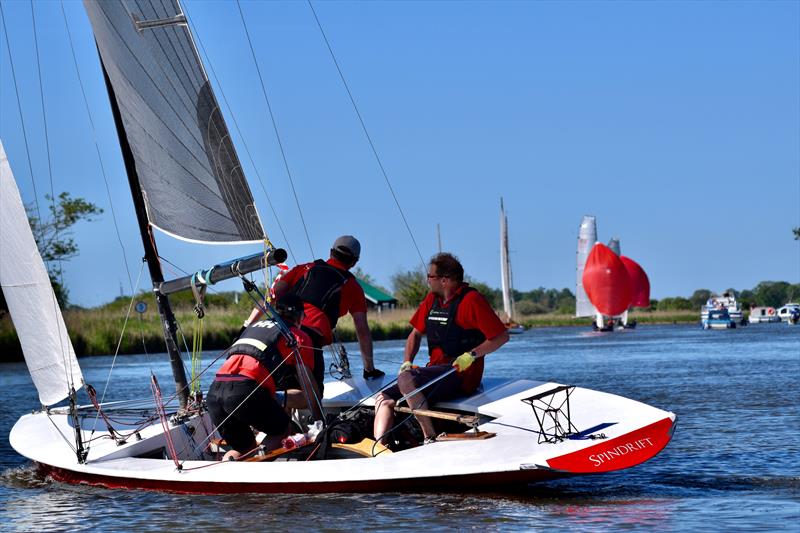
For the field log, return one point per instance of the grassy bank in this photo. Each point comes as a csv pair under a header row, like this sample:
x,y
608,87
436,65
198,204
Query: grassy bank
x,y
98,331
642,317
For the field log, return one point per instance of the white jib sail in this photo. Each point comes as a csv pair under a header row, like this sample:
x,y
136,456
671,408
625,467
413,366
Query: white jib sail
x,y
505,266
30,298
587,236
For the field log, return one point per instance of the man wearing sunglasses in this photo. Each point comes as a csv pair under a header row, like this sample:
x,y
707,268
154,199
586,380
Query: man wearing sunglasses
x,y
461,328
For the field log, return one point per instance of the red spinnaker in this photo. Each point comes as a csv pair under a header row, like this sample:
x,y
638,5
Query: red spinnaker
x,y
640,284
606,281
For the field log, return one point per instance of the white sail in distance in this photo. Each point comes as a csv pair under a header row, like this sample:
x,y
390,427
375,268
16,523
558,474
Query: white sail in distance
x,y
505,266
587,236
31,302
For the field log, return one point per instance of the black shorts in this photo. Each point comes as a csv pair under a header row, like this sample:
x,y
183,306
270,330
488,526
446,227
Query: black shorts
x,y
444,389
229,400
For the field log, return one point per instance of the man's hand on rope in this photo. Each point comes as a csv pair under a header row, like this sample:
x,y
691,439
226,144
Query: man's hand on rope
x,y
464,361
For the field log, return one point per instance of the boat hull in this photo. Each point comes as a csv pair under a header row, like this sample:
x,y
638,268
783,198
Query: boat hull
x,y
485,481
610,433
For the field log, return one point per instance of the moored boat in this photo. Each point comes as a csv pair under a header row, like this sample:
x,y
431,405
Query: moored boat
x,y
789,313
727,302
718,319
760,315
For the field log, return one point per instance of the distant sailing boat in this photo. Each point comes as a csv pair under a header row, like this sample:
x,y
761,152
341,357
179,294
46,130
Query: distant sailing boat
x,y
608,284
505,277
186,180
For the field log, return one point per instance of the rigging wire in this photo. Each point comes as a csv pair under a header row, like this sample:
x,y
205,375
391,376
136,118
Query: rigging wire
x,y
275,128
367,135
97,148
116,352
64,343
21,115
239,131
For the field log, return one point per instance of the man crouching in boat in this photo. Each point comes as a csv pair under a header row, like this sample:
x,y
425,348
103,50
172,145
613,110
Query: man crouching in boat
x,y
461,328
243,392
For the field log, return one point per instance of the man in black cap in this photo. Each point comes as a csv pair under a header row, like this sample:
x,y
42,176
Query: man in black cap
x,y
330,291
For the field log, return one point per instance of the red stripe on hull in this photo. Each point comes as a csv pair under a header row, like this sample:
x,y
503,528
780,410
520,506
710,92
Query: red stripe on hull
x,y
497,480
621,452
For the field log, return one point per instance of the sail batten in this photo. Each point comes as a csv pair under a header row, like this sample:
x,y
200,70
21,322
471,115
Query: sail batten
x,y
31,302
186,165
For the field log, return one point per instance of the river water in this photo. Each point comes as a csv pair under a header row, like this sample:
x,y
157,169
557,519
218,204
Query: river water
x,y
733,464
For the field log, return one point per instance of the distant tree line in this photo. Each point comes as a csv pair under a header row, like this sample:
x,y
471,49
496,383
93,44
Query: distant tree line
x,y
410,288
766,293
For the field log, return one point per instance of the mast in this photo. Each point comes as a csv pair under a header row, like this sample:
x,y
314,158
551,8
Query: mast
x,y
150,252
505,266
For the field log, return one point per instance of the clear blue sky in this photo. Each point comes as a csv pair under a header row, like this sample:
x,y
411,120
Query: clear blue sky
x,y
677,124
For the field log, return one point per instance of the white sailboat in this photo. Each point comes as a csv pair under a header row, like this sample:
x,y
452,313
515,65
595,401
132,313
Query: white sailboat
x,y
587,237
505,277
170,128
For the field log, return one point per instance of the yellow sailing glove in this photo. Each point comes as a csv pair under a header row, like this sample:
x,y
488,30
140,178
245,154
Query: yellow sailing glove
x,y
464,361
405,366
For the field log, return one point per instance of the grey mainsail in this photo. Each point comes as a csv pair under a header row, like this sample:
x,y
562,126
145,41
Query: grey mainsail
x,y
188,170
587,236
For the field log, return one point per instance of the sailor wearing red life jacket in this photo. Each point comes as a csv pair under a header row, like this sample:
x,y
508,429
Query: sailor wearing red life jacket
x,y
261,362
461,327
329,291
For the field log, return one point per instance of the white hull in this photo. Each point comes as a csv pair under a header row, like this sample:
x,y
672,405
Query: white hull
x,y
764,319
719,325
634,432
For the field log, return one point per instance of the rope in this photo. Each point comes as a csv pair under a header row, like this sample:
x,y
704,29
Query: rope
x,y
63,340
198,279
231,115
197,353
162,415
275,128
367,135
97,148
21,115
